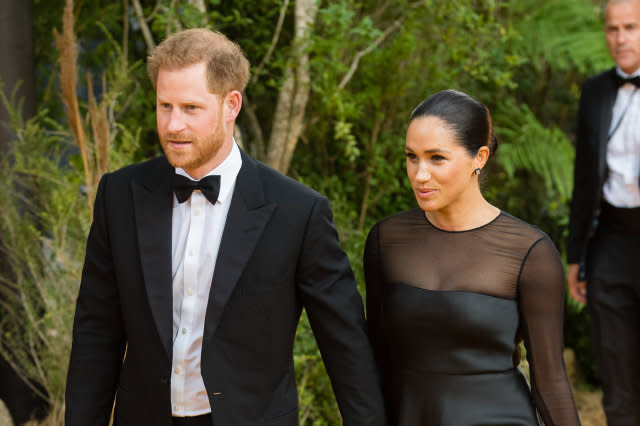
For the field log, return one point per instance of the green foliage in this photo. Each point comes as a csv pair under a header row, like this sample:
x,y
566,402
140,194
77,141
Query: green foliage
x,y
472,37
317,403
566,33
44,221
543,151
577,336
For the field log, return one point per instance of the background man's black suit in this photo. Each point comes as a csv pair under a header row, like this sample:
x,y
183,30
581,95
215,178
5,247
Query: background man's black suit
x,y
594,119
605,241
279,253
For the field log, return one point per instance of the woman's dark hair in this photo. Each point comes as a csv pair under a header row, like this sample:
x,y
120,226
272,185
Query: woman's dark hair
x,y
468,118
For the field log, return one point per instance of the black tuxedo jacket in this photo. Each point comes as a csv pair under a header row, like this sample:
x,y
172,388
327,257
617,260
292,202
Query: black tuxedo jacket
x,y
279,253
594,119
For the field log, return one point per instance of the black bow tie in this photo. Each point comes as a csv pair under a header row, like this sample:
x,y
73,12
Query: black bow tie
x,y
208,185
621,81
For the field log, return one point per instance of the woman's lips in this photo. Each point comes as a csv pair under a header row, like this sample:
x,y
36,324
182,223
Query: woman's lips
x,y
425,192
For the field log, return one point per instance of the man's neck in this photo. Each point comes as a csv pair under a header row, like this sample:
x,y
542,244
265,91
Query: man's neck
x,y
625,75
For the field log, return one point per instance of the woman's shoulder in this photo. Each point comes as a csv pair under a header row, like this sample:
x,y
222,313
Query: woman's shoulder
x,y
398,226
410,217
524,242
530,234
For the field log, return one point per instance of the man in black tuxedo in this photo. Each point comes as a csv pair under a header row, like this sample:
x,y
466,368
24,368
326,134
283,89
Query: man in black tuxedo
x,y
604,228
191,291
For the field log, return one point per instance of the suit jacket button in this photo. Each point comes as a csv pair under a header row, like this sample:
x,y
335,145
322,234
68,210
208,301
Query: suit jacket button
x,y
164,380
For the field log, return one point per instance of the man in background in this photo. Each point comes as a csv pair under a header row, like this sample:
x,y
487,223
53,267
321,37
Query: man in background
x,y
604,230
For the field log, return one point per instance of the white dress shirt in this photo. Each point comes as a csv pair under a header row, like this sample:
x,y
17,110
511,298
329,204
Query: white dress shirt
x,y
623,150
197,227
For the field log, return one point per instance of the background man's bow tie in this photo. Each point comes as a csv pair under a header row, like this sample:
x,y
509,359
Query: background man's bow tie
x,y
208,185
621,81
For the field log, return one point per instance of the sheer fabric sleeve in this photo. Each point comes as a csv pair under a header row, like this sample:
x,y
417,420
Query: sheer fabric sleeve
x,y
374,300
541,297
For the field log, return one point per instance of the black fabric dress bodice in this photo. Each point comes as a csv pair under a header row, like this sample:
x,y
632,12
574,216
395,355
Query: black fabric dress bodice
x,y
446,312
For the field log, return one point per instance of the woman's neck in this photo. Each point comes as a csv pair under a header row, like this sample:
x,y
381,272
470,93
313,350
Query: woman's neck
x,y
463,216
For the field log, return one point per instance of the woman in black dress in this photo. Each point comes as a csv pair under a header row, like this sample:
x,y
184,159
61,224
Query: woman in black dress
x,y
454,285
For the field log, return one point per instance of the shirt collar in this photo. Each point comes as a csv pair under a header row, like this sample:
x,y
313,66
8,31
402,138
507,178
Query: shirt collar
x,y
625,75
228,171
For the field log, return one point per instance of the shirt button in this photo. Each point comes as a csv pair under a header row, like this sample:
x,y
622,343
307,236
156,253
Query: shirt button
x,y
177,370
184,331
189,292
196,213
191,253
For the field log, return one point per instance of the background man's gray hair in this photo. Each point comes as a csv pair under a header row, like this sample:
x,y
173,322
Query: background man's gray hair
x,y
608,2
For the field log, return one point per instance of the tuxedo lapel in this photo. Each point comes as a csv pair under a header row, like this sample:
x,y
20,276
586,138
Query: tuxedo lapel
x,y
153,204
247,217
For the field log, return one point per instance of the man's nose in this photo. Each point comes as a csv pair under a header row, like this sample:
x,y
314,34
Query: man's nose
x,y
176,121
621,37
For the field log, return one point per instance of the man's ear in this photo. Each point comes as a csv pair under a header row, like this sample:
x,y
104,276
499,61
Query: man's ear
x,y
232,104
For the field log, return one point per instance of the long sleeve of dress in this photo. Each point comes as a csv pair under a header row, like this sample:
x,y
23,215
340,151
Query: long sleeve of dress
x,y
374,299
541,296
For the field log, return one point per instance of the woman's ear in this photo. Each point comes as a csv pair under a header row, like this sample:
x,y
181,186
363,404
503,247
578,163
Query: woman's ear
x,y
481,158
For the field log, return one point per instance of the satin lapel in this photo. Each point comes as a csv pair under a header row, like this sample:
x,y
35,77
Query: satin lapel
x,y
609,93
153,204
248,215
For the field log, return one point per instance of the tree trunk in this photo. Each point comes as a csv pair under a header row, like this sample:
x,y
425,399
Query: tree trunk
x,y
288,119
16,68
198,4
202,7
16,64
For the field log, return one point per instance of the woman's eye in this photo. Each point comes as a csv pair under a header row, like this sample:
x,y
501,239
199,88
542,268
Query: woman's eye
x,y
437,157
410,155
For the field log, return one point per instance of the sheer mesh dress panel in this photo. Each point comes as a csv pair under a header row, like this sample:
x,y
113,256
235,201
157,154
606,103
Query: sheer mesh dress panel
x,y
445,311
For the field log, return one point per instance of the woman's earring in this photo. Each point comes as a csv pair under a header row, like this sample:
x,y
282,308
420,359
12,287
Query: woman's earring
x,y
477,171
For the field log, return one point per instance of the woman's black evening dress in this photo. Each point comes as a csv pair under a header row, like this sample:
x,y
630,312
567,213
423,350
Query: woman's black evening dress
x,y
446,311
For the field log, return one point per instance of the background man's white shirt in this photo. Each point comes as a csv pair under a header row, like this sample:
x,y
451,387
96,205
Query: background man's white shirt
x,y
623,150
